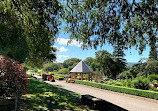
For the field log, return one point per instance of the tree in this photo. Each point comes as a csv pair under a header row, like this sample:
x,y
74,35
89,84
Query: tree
x,y
139,69
70,63
118,55
106,63
50,67
94,66
97,22
89,61
153,48
28,29
152,66
63,71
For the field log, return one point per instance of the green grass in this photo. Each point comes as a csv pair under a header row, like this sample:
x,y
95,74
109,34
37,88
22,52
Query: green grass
x,y
42,97
132,91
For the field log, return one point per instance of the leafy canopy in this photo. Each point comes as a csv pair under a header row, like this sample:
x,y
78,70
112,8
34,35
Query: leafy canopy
x,y
28,29
124,23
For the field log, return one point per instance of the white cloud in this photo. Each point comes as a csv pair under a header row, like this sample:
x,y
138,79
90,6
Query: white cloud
x,y
62,56
62,41
61,49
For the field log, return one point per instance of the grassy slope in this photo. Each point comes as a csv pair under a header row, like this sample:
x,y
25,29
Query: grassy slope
x,y
42,97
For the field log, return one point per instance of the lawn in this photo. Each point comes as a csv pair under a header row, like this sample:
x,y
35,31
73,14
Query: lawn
x,y
43,97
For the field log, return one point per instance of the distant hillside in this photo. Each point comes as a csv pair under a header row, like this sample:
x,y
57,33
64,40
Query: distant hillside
x,y
131,63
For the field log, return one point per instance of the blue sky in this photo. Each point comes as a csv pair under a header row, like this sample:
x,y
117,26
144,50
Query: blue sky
x,y
75,51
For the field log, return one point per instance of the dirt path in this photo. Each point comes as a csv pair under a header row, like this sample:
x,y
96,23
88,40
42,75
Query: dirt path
x,y
129,102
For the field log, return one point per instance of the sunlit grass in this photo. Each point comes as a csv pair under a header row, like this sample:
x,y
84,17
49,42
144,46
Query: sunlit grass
x,y
43,97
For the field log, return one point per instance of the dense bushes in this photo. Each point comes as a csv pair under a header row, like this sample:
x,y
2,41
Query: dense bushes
x,y
59,77
127,82
125,74
153,77
12,78
63,71
140,83
50,67
137,92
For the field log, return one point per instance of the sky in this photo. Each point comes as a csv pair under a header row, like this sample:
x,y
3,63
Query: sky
x,y
74,50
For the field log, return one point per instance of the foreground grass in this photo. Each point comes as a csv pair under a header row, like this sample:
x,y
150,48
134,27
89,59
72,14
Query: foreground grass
x,y
43,97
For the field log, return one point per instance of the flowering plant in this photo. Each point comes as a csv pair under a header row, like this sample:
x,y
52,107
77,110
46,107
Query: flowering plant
x,y
13,79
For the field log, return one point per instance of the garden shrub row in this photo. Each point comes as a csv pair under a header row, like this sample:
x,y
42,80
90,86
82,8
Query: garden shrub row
x,y
121,89
59,77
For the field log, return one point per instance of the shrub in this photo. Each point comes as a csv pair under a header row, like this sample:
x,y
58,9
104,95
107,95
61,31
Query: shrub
x,y
140,83
112,82
133,91
59,77
125,74
127,82
63,71
13,79
153,77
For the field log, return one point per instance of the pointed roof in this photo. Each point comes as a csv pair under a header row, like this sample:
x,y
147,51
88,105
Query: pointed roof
x,y
81,67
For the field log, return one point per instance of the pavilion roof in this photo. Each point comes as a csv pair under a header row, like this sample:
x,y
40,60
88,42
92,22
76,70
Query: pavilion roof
x,y
81,67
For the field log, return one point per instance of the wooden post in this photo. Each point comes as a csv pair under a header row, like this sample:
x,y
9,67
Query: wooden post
x,y
88,76
91,76
74,75
81,76
71,75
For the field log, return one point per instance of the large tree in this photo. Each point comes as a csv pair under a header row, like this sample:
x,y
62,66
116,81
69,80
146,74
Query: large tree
x,y
118,55
71,63
50,67
28,29
89,61
97,22
106,63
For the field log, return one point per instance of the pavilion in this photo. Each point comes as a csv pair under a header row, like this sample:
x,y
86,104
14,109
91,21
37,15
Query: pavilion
x,y
81,68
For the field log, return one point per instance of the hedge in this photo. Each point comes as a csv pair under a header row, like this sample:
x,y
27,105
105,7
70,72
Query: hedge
x,y
59,77
121,89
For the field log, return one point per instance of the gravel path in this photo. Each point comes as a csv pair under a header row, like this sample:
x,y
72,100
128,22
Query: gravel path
x,y
129,102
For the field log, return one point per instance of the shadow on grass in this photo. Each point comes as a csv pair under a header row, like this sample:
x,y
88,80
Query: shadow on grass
x,y
42,97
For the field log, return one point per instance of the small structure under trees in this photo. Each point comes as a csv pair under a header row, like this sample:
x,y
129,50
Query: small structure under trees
x,y
81,68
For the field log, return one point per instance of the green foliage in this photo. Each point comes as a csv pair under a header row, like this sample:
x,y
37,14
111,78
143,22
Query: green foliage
x,y
109,65
70,63
98,22
59,77
105,62
89,61
125,74
28,29
113,82
153,77
63,71
152,66
140,83
133,91
50,67
127,82
139,69
94,66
